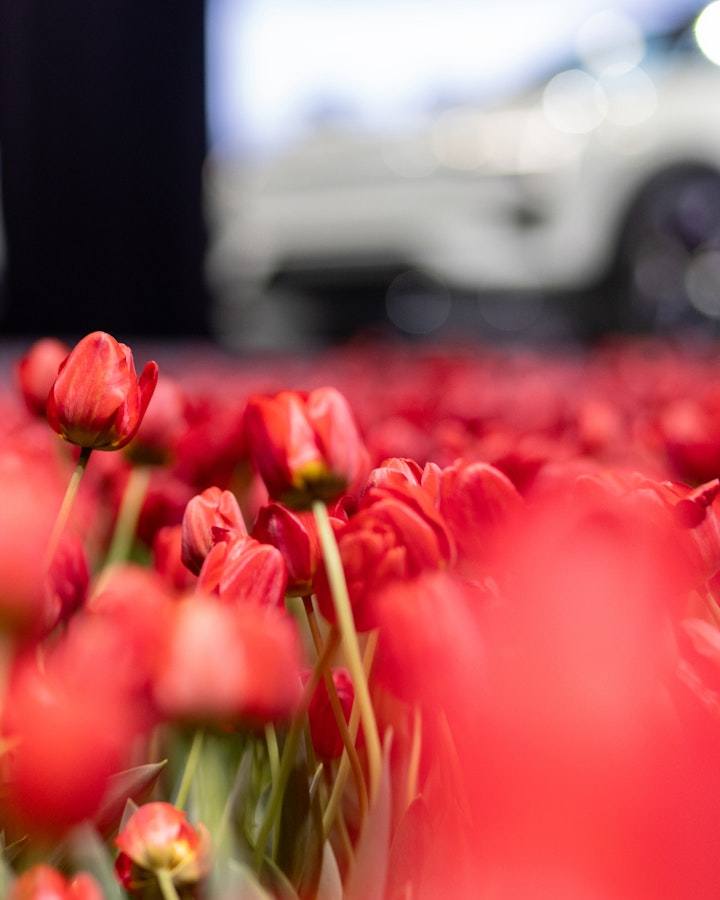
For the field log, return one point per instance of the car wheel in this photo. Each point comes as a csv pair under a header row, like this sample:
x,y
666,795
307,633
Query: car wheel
x,y
667,274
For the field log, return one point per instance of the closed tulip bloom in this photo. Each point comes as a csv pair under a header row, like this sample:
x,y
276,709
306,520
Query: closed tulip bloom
x,y
245,571
71,725
159,838
97,401
478,502
324,730
223,664
294,533
396,534
211,516
43,882
305,446
36,371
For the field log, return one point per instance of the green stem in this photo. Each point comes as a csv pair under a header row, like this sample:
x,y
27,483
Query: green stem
x,y
347,739
67,504
191,764
415,751
350,644
167,888
128,514
333,804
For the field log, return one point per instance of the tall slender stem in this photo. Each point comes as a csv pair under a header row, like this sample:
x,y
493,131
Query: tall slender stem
x,y
347,739
67,504
128,514
415,751
333,805
191,764
350,644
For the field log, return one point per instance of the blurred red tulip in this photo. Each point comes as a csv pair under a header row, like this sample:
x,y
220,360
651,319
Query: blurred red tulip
x,y
68,734
36,371
162,427
167,559
97,400
324,730
156,837
43,882
227,664
478,502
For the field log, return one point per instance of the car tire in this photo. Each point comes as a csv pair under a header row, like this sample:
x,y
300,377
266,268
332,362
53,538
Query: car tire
x,y
662,276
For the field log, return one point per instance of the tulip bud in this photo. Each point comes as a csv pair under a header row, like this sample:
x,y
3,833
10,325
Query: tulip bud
x,y
214,515
306,447
97,400
68,576
43,882
158,840
245,571
295,536
326,738
37,370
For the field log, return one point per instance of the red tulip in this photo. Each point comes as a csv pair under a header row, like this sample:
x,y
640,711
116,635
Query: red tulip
x,y
245,571
305,447
326,738
477,501
162,428
42,882
167,559
158,837
294,533
396,534
97,400
222,664
71,724
37,370
209,517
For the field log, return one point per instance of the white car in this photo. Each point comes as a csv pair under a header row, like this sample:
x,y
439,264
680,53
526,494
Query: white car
x,y
606,175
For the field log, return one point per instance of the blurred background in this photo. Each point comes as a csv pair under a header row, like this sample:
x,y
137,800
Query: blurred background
x,y
286,173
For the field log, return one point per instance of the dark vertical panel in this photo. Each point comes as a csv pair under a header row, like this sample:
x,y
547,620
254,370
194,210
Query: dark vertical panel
x,y
102,141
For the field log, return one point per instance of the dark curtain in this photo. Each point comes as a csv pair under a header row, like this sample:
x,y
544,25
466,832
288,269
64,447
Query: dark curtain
x,y
102,142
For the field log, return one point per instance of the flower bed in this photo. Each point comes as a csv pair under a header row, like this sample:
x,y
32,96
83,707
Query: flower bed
x,y
387,623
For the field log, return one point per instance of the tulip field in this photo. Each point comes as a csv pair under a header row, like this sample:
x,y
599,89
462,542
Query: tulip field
x,y
391,622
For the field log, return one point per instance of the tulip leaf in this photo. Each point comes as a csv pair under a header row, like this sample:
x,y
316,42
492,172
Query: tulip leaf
x,y
409,848
314,855
91,854
330,883
295,830
369,870
242,882
134,784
